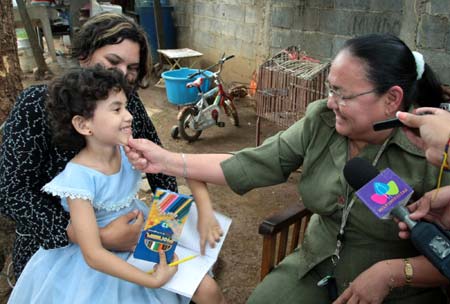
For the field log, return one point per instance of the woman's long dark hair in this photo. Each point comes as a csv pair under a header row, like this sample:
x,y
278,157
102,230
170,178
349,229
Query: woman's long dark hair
x,y
390,62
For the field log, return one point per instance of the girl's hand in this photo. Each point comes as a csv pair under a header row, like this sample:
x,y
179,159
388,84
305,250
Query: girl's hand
x,y
162,271
209,230
371,286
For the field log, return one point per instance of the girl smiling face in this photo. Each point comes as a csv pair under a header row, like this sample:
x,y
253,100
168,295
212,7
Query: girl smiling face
x,y
111,122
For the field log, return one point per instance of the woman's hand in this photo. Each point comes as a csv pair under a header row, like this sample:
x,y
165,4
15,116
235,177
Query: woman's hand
x,y
123,233
371,286
146,156
431,208
162,271
209,230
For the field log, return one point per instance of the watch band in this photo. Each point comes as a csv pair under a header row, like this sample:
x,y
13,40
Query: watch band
x,y
409,272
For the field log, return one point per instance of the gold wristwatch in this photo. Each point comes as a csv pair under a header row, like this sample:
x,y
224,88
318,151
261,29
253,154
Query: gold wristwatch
x,y
408,271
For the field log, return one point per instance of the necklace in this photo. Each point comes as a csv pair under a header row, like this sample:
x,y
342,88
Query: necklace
x,y
329,281
348,205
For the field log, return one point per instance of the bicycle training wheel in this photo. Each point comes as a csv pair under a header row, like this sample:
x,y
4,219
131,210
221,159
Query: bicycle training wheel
x,y
185,124
231,112
174,132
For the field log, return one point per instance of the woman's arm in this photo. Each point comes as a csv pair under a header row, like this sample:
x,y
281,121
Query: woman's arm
x,y
208,227
86,230
149,157
25,166
374,284
121,234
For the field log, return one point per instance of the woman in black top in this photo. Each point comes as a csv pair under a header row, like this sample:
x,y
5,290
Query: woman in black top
x,y
29,159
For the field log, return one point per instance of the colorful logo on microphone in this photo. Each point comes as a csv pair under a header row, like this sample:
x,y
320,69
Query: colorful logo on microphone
x,y
383,191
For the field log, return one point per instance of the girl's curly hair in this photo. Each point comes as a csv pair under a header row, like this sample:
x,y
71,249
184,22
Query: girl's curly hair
x,y
111,28
77,93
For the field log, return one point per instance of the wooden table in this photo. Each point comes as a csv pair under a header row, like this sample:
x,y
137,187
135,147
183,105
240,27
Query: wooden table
x,y
174,57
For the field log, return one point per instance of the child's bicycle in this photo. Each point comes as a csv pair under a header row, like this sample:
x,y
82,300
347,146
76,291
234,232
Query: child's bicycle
x,y
194,118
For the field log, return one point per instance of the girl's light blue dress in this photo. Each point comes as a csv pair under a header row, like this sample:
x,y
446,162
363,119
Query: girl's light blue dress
x,y
61,275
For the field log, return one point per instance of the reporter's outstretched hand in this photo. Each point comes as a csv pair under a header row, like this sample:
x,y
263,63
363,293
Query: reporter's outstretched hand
x,y
434,129
429,208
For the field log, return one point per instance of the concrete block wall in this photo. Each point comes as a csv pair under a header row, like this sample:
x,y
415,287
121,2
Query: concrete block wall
x,y
433,37
320,27
214,27
254,30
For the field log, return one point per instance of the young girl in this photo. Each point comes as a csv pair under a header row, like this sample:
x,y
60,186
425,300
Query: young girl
x,y
87,110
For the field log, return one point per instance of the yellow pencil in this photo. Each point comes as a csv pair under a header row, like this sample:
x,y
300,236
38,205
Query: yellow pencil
x,y
177,262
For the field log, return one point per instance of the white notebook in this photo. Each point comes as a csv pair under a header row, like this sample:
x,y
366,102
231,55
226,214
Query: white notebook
x,y
190,273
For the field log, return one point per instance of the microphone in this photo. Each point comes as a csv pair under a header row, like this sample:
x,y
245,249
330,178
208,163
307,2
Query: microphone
x,y
380,192
429,239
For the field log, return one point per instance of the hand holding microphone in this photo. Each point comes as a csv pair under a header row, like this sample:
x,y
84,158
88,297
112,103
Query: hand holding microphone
x,y
384,193
431,208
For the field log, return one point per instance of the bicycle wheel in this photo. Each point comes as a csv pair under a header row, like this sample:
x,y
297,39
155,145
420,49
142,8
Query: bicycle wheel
x,y
231,112
185,125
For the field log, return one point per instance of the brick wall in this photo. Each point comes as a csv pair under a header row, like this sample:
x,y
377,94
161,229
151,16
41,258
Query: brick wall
x,y
253,30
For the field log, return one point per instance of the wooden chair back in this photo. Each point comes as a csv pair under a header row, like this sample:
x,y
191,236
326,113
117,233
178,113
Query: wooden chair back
x,y
282,233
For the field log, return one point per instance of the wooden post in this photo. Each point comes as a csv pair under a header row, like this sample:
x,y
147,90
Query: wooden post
x,y
159,27
38,55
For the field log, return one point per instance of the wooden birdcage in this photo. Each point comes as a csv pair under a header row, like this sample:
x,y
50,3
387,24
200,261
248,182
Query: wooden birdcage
x,y
287,83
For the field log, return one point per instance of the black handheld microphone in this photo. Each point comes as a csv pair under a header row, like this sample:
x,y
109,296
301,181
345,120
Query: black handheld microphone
x,y
429,239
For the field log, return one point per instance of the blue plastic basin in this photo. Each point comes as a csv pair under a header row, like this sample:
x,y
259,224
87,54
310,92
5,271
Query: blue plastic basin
x,y
176,81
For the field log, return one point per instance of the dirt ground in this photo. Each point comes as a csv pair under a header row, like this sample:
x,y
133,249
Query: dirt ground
x,y
237,271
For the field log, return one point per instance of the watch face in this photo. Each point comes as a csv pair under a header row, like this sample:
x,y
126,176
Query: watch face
x,y
408,271
440,246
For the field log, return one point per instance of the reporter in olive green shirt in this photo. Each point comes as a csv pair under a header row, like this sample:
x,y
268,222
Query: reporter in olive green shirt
x,y
370,79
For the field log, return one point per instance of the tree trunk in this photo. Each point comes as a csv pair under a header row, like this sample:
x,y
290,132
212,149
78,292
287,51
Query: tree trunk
x,y
10,82
10,87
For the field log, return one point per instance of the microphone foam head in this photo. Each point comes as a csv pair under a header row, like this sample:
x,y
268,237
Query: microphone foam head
x,y
358,172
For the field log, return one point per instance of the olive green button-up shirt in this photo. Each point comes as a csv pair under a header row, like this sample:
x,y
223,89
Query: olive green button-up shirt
x,y
314,144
